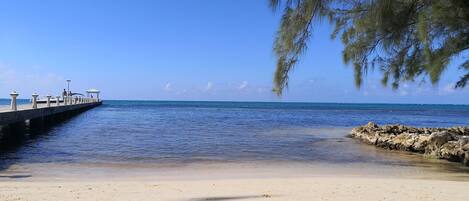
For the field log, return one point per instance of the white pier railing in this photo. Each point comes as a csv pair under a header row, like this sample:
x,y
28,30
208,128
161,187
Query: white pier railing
x,y
67,100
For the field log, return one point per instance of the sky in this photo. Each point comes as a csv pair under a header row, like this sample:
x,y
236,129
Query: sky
x,y
180,50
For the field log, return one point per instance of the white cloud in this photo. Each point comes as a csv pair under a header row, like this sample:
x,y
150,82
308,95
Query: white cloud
x,y
12,78
259,90
167,87
243,85
403,93
447,89
209,86
421,89
404,89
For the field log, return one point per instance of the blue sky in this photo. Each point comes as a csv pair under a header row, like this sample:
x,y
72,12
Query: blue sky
x,y
179,50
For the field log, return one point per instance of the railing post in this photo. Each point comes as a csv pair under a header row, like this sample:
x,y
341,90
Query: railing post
x,y
58,100
35,95
48,100
13,100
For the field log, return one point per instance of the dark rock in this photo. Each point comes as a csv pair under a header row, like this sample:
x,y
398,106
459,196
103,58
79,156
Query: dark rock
x,y
420,143
440,138
444,143
466,158
464,142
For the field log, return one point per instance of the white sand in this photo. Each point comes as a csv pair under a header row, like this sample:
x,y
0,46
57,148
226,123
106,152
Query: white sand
x,y
311,188
228,182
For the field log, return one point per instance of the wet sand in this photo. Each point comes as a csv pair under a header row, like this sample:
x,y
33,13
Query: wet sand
x,y
232,181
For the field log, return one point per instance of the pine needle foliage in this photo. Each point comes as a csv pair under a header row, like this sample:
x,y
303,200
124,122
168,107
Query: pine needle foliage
x,y
404,39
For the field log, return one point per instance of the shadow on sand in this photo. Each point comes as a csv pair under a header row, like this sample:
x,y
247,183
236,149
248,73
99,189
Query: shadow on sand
x,y
16,176
232,198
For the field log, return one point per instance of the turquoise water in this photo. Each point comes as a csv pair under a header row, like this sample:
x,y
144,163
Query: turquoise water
x,y
185,132
19,101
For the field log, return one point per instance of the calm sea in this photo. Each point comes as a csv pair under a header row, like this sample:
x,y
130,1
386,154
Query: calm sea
x,y
185,132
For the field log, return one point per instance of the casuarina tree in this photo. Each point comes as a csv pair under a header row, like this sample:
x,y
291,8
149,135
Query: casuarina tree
x,y
406,40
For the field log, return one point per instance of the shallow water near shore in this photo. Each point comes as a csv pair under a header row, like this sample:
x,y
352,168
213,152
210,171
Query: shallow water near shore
x,y
137,137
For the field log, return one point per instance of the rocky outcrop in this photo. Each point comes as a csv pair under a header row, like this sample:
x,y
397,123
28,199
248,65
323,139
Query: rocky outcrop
x,y
444,143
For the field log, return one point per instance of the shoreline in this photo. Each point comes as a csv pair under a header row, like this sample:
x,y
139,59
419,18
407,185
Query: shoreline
x,y
418,169
396,175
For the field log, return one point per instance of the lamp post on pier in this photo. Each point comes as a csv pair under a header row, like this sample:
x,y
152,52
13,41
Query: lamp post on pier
x,y
68,86
48,100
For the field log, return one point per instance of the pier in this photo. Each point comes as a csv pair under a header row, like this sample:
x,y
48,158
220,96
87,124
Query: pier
x,y
15,116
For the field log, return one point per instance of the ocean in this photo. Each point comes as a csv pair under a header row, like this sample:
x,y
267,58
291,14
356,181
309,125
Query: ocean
x,y
180,132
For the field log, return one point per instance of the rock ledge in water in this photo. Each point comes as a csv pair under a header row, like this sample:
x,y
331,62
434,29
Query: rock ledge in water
x,y
444,143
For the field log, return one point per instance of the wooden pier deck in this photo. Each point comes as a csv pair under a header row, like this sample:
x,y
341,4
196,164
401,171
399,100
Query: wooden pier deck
x,y
26,112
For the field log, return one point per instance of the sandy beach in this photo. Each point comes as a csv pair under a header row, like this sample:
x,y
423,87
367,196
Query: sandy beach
x,y
231,182
309,188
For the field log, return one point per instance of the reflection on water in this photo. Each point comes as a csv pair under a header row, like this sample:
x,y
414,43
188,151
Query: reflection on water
x,y
141,133
14,138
